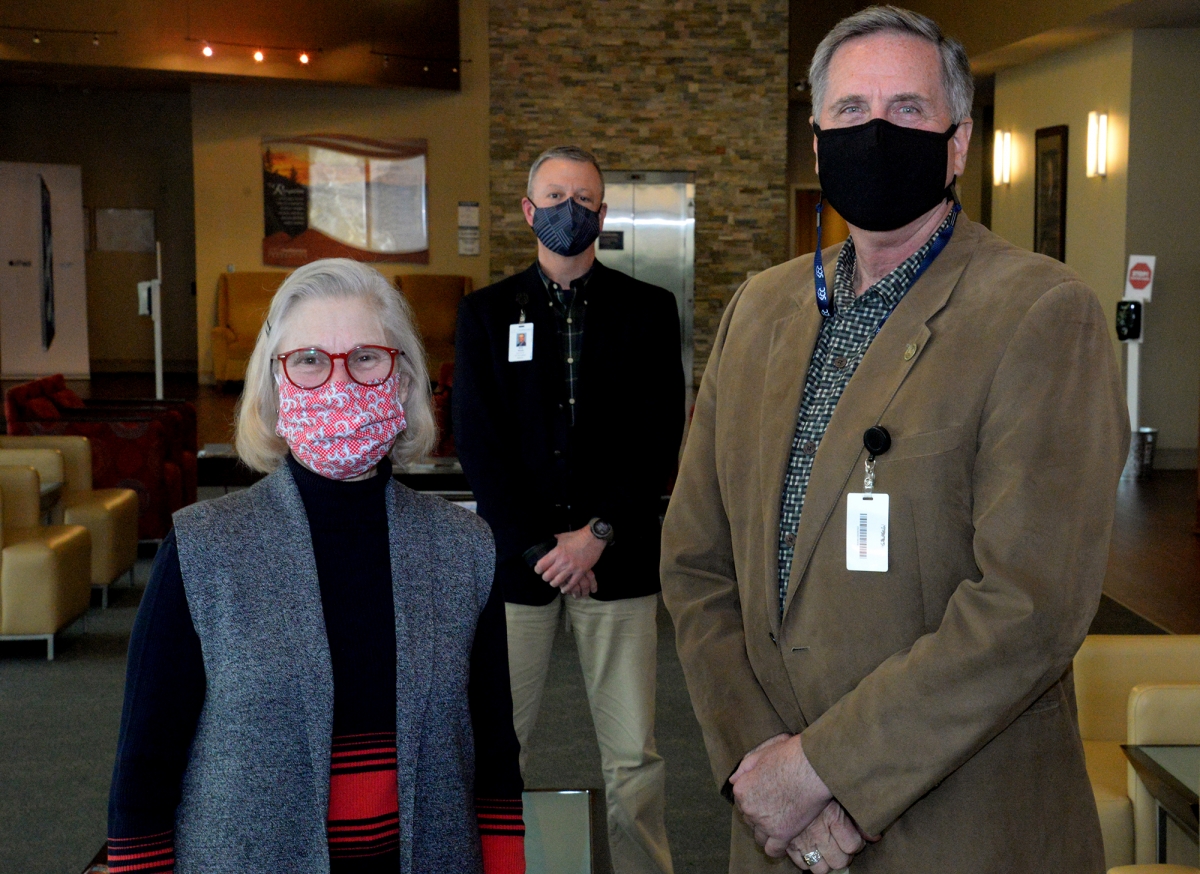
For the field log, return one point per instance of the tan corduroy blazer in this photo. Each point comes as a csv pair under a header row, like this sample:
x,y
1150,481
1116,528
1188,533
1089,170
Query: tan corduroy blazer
x,y
935,699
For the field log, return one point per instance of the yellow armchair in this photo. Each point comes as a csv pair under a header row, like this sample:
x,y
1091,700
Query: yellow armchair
x,y
242,303
45,579
109,515
1107,668
434,300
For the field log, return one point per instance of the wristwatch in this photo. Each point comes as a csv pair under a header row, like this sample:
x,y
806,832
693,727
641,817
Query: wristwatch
x,y
601,530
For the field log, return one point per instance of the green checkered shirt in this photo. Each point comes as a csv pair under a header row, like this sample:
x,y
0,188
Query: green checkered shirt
x,y
569,305
841,345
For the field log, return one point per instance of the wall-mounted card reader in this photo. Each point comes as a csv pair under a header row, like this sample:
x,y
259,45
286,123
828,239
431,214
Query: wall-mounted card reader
x,y
1129,320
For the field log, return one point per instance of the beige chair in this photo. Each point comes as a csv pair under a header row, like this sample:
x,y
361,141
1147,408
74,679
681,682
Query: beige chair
x,y
242,303
1107,667
434,300
45,579
1158,714
49,465
111,515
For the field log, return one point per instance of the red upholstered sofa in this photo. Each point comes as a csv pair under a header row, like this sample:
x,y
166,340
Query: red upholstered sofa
x,y
145,445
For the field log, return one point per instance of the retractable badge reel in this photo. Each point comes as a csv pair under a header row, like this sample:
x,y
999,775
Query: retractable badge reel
x,y
867,512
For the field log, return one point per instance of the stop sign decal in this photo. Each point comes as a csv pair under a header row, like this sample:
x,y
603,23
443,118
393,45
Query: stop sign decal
x,y
1140,275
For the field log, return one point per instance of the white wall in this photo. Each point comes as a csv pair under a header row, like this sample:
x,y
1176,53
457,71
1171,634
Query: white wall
x,y
1063,89
1164,220
22,355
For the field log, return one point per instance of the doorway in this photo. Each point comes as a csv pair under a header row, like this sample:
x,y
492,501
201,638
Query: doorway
x,y
804,222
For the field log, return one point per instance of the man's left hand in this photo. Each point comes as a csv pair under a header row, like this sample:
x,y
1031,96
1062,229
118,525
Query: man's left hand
x,y
835,835
568,566
778,793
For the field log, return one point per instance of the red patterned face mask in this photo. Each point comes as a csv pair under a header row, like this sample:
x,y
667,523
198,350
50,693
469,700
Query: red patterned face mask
x,y
340,429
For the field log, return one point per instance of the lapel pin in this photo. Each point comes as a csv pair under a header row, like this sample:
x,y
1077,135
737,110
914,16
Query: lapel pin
x,y
909,351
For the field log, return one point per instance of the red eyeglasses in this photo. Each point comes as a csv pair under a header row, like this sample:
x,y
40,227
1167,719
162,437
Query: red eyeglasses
x,y
312,367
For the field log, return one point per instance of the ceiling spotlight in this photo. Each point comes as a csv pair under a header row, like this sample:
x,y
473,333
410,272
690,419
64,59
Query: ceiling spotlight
x,y
304,57
258,56
426,69
96,40
206,51
37,39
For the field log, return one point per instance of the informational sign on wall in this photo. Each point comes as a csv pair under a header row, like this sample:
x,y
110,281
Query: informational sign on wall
x,y
43,291
468,227
1139,277
331,196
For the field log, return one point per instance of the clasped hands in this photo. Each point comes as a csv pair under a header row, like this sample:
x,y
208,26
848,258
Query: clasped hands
x,y
791,810
568,567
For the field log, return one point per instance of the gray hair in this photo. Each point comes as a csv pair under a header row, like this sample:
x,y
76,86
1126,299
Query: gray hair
x,y
259,447
956,69
569,153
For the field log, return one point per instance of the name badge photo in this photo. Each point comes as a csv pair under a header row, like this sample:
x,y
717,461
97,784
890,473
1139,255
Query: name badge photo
x,y
866,532
520,341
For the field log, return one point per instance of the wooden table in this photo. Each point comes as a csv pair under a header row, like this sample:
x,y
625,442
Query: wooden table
x,y
1171,774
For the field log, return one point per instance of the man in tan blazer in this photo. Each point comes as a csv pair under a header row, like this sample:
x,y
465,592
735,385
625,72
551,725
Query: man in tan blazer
x,y
915,713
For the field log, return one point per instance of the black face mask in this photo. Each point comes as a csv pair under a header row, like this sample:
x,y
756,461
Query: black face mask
x,y
881,176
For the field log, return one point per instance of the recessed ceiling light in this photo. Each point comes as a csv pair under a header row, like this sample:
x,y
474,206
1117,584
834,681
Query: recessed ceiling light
x,y
304,57
258,56
206,51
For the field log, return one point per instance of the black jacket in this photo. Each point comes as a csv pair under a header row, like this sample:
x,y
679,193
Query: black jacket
x,y
533,474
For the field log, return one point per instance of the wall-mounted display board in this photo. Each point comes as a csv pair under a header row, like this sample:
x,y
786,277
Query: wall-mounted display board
x,y
43,289
335,196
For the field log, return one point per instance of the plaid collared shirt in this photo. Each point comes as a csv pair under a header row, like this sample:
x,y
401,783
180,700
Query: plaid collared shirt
x,y
841,345
569,305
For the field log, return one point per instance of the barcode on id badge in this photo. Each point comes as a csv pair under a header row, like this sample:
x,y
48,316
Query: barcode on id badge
x,y
862,535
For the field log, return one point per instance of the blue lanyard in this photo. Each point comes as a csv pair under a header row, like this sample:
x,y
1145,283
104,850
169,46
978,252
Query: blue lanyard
x,y
825,303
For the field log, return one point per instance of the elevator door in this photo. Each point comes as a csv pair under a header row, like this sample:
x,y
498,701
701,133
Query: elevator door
x,y
650,233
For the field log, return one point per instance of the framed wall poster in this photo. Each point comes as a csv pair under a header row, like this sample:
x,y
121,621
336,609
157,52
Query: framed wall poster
x,y
336,196
1050,192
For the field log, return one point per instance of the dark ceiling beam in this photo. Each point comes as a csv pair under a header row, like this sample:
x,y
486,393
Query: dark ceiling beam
x,y
382,43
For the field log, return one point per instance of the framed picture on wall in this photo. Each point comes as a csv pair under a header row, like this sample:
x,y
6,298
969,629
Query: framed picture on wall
x,y
1050,192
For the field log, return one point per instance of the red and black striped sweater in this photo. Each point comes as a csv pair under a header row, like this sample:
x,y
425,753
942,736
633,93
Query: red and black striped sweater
x,y
164,693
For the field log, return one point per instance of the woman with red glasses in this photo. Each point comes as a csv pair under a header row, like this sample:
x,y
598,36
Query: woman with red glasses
x,y
318,676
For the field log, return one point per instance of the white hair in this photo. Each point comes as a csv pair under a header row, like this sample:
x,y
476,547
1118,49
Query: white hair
x,y
957,80
259,447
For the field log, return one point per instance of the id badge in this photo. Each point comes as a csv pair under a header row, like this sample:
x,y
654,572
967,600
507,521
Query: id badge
x,y
867,532
520,341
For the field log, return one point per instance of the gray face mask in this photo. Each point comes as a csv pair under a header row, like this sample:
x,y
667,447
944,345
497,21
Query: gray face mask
x,y
566,228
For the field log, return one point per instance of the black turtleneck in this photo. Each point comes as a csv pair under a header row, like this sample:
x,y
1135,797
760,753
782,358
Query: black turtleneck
x,y
349,527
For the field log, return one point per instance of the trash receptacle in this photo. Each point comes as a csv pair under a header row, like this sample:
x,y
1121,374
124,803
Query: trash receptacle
x,y
1141,452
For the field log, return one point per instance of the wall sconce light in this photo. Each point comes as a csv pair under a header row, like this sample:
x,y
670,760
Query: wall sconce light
x,y
1097,144
1002,158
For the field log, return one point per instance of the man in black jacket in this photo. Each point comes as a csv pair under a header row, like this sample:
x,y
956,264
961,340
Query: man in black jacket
x,y
568,413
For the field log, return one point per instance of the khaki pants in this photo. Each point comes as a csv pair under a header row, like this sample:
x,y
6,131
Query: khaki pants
x,y
617,642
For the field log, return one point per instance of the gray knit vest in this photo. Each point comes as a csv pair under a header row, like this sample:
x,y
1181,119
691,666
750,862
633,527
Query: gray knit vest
x,y
256,789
